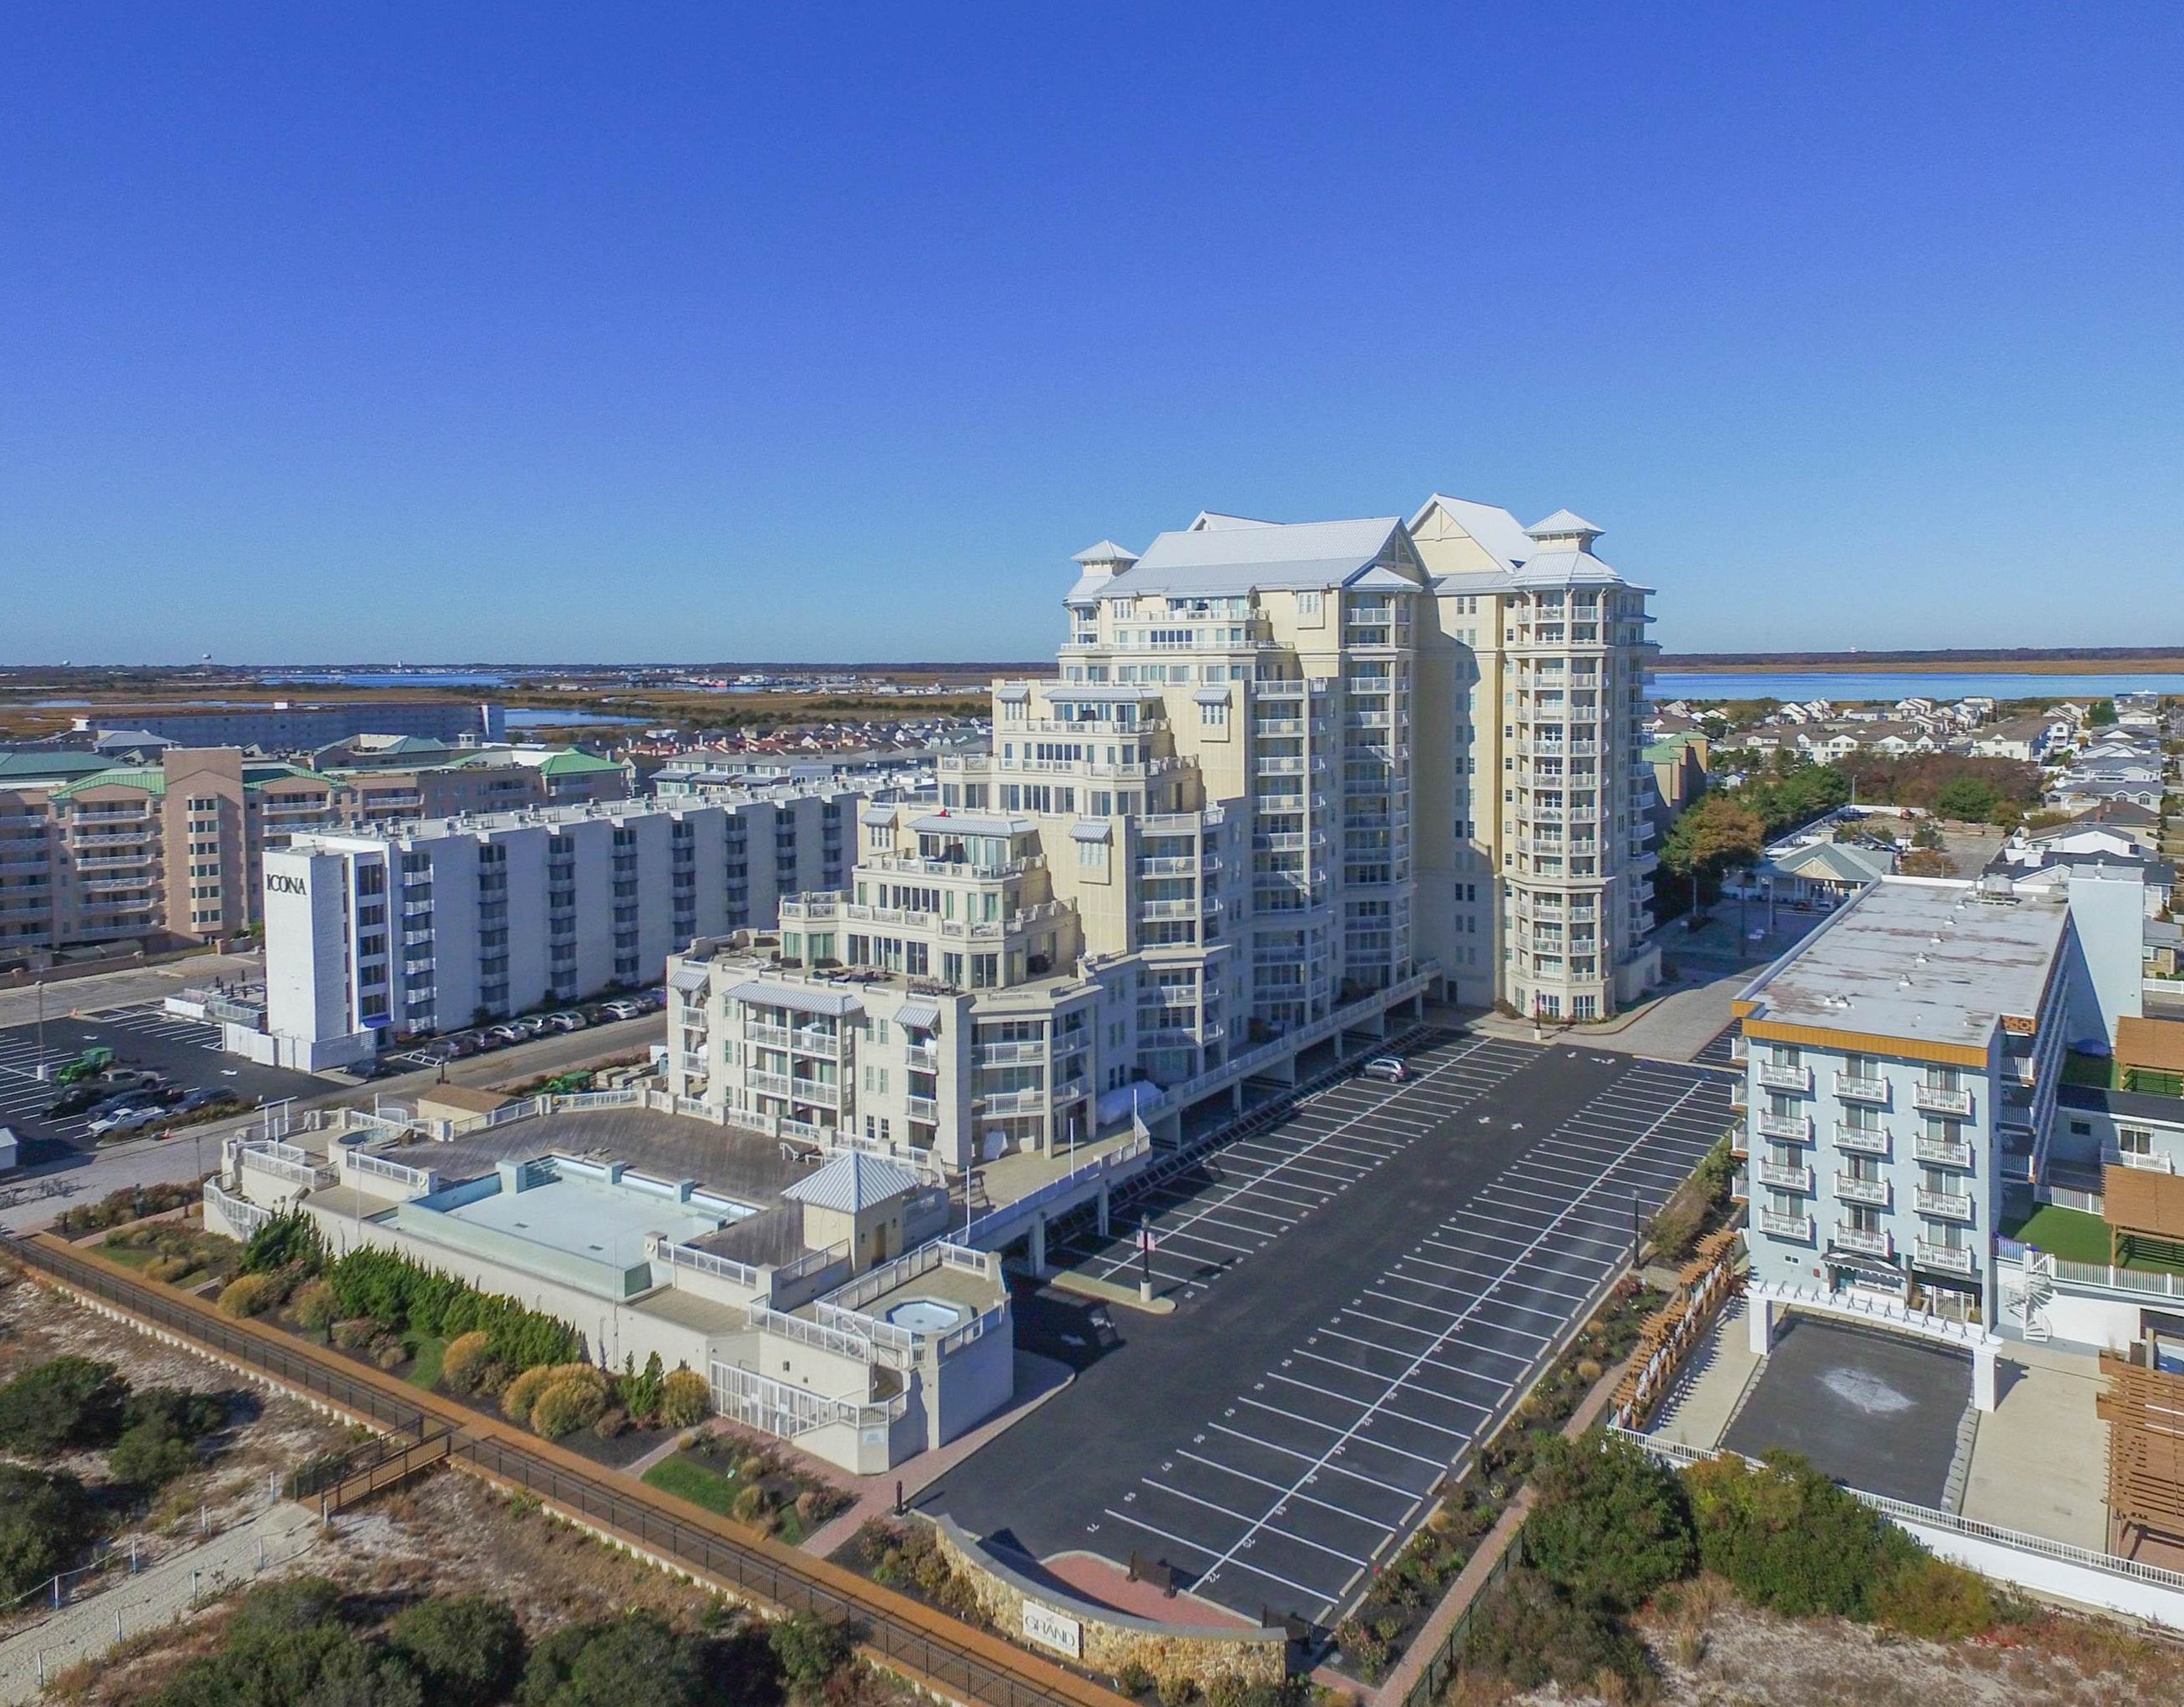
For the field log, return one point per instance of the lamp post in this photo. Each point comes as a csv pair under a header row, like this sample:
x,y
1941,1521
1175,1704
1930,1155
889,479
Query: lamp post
x,y
41,1031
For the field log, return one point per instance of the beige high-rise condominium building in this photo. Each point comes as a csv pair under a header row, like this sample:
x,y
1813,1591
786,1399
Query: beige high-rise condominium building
x,y
1287,778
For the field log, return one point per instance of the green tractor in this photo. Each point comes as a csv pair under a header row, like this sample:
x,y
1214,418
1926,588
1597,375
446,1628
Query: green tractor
x,y
89,1065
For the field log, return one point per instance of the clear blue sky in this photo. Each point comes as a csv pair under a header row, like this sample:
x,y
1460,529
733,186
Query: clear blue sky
x,y
463,332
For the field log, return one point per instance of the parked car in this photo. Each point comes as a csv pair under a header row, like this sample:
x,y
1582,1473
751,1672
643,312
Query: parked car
x,y
120,1079
653,1000
567,1020
126,1120
509,1033
460,1044
1389,1068
369,1071
127,1099
203,1098
74,1101
531,1025
622,1009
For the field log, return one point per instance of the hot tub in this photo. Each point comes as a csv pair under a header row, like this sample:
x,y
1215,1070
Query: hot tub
x,y
926,1315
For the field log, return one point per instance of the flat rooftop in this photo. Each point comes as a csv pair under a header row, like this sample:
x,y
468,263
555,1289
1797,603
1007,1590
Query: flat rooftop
x,y
1913,957
738,1164
584,1218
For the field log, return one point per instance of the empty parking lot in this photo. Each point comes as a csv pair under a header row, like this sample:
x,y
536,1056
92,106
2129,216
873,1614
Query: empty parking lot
x,y
1332,1356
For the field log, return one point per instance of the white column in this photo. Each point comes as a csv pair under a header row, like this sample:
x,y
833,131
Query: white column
x,y
1759,1312
1984,1375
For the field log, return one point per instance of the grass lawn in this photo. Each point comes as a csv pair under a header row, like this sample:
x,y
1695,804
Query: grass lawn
x,y
2071,1234
686,1478
428,1353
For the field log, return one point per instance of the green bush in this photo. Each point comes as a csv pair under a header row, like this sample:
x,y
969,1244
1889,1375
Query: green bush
x,y
354,1334
810,1650
65,1402
150,1455
464,1360
314,1306
633,1661
641,1394
684,1398
1608,1524
1789,1539
1529,1633
186,1416
42,1517
286,1238
518,1396
567,1404
248,1295
1931,1597
289,1642
401,1294
468,1651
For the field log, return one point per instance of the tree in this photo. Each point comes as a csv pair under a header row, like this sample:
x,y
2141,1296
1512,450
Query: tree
x,y
1716,833
1789,1539
2100,714
65,1402
1926,862
810,1650
468,1650
286,1238
1969,799
151,1454
41,1516
1610,1525
631,1661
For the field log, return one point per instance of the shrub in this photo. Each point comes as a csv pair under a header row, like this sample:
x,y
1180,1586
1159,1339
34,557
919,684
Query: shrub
x,y
515,1402
468,1650
314,1306
286,1239
1609,1525
1931,1597
633,1661
185,1414
810,1649
1226,1690
1134,1679
42,1517
65,1402
399,1293
1177,1690
388,1352
150,1455
249,1295
166,1270
1529,1633
464,1360
684,1398
751,1505
612,1421
641,1394
567,1405
1789,1539
354,1334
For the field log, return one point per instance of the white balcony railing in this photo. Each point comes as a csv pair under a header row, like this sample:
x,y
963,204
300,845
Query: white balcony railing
x,y
1784,1179
1776,1077
1872,1244
810,1092
1862,1140
1943,1206
1796,1128
1936,1100
1852,1090
1851,1189
1782,1226
1950,1259
1943,1152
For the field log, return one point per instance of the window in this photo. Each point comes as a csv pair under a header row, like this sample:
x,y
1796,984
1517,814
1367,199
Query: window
x,y
2134,1141
1213,716
1308,604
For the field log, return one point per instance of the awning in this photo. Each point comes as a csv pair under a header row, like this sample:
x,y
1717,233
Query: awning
x,y
1211,696
1091,830
923,1016
689,978
877,817
1014,696
763,993
970,824
1100,695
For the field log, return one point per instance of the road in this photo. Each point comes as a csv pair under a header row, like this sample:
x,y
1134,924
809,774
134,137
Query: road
x,y
195,1151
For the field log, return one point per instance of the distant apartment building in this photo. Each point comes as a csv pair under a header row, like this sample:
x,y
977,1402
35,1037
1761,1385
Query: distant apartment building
x,y
170,853
386,932
1286,779
282,727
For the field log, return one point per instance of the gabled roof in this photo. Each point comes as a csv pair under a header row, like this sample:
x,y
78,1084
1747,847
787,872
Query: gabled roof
x,y
1105,552
851,1182
1492,526
147,777
119,740
574,763
49,767
1230,556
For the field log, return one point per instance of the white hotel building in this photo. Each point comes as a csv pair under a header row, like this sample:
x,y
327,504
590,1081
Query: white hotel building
x,y
1286,779
404,929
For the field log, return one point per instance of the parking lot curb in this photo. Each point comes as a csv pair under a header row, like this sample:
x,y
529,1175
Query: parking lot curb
x,y
1088,1286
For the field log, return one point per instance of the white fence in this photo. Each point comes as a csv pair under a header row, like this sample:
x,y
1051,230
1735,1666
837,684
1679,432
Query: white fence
x,y
778,1408
241,1215
704,1262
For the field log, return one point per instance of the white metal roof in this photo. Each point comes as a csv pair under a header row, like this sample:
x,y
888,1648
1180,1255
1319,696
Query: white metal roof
x,y
1229,555
1564,523
853,1181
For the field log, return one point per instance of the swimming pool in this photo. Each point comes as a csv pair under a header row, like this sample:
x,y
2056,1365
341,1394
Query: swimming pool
x,y
926,1315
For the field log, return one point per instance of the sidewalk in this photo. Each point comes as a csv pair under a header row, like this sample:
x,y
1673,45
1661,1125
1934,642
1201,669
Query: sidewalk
x,y
85,1629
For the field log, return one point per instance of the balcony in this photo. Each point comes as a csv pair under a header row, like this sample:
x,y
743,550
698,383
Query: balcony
x,y
1776,1077
1943,1152
1007,1055
1851,1189
1943,1206
1014,1101
924,1056
1872,1244
1862,1090
803,1040
1862,1140
1781,1226
1936,1100
1796,1129
922,1109
810,1091
1784,1179
1948,1259
692,1065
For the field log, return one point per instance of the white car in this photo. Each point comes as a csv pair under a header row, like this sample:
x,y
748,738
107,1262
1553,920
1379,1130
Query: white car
x,y
623,1010
1388,1067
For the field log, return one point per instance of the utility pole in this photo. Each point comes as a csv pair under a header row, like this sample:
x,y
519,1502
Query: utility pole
x,y
41,1031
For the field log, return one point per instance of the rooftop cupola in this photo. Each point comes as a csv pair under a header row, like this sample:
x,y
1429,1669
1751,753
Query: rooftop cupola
x,y
1564,531
1105,557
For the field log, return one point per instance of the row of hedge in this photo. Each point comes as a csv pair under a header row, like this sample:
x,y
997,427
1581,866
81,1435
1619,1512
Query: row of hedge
x,y
1611,1529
